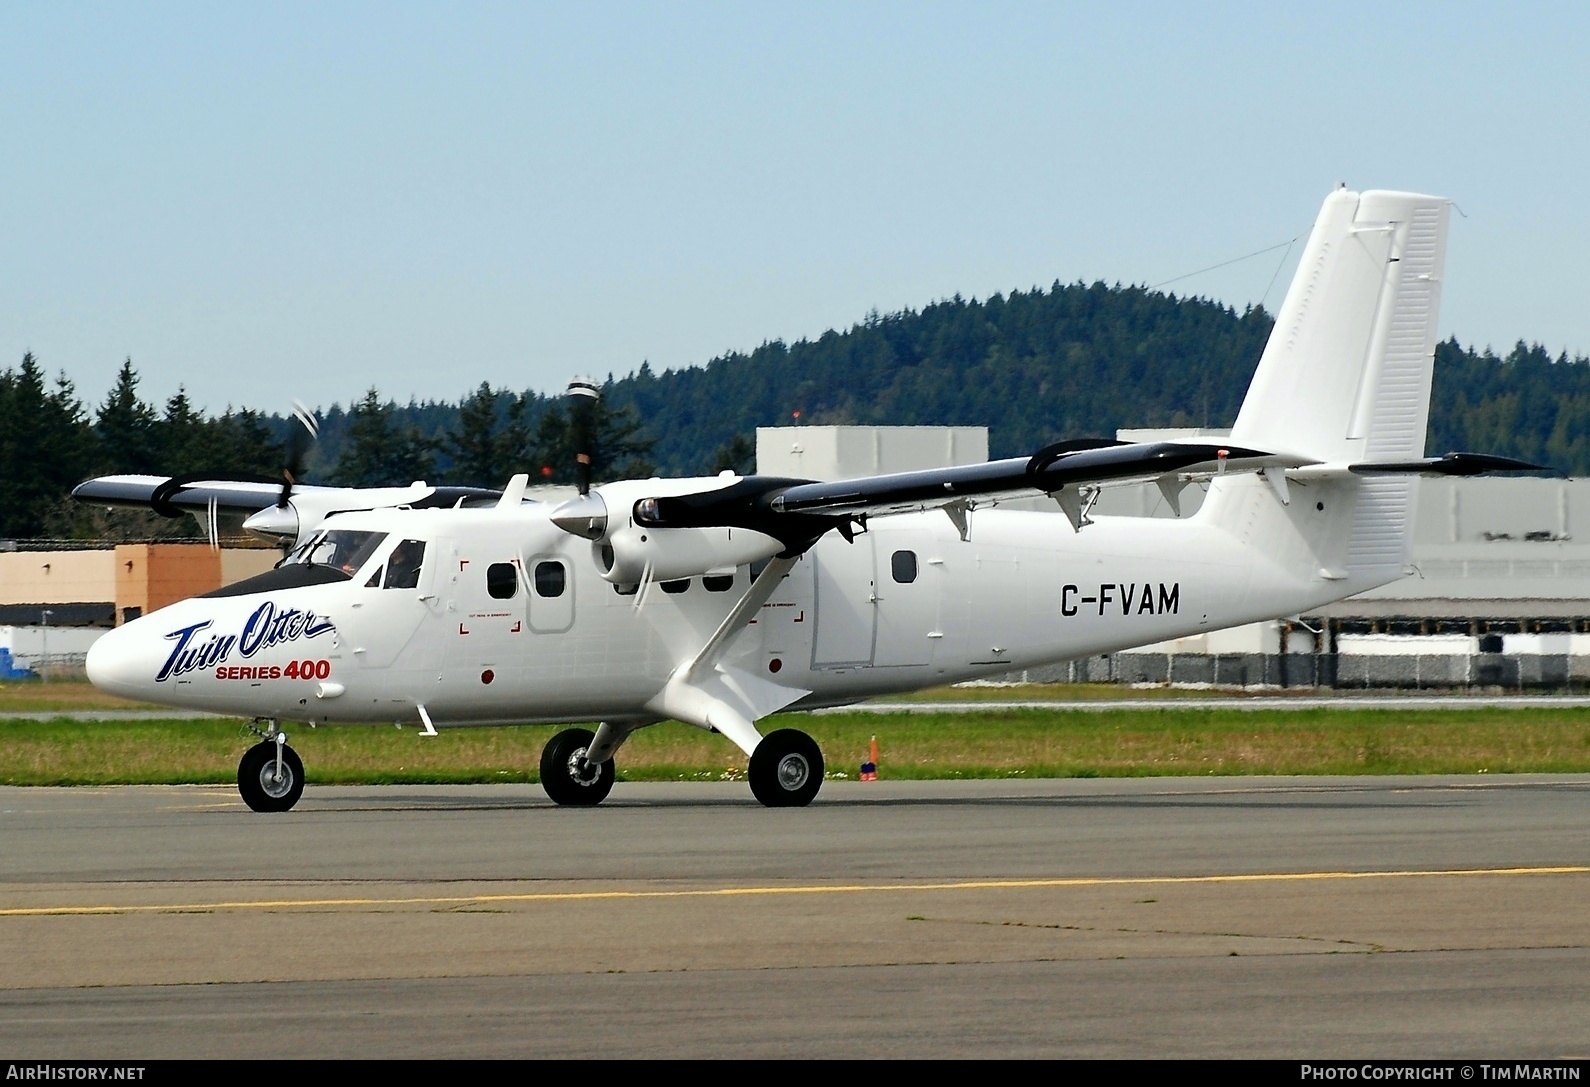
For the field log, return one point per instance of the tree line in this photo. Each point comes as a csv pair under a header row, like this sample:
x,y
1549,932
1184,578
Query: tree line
x,y
1033,366
50,441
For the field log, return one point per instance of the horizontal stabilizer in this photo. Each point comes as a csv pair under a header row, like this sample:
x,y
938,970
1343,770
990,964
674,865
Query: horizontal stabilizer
x,y
1453,464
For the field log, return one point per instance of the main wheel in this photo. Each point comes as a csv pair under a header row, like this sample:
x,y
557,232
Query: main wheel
x,y
262,788
786,769
567,777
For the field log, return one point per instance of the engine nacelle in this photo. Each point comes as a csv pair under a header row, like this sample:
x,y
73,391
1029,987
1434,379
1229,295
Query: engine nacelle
x,y
632,553
627,553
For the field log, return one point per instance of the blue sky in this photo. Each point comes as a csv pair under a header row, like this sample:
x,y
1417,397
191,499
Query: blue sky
x,y
269,201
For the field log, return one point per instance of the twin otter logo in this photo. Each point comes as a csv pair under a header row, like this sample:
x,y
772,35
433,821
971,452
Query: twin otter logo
x,y
267,627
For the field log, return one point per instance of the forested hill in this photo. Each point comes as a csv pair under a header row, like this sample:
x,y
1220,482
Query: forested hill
x,y
1034,366
1030,366
1077,361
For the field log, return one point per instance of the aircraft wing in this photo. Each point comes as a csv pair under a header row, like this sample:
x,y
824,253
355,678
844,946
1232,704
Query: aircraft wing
x,y
208,496
1046,472
158,493
797,511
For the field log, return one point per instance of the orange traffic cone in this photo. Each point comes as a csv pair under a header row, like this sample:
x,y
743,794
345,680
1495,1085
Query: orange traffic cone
x,y
869,769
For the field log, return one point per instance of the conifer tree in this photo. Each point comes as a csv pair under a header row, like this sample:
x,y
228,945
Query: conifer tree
x,y
379,452
46,447
127,428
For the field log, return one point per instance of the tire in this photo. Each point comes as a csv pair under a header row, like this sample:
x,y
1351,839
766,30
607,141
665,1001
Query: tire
x,y
559,777
256,774
786,769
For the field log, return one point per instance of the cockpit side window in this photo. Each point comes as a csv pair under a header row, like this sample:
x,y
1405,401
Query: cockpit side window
x,y
403,565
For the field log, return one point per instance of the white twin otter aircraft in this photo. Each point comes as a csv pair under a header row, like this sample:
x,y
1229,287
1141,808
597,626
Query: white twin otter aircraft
x,y
718,601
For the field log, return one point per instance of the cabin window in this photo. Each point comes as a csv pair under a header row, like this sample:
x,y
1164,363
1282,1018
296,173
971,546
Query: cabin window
x,y
403,565
676,587
626,590
718,583
903,565
550,579
502,580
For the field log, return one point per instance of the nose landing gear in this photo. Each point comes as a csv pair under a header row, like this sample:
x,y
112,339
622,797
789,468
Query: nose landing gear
x,y
270,776
568,776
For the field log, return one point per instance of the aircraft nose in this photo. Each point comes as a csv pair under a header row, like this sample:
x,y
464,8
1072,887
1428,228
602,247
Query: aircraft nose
x,y
116,666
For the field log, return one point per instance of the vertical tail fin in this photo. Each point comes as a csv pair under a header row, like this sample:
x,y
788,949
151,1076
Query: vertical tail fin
x,y
1346,373
1345,378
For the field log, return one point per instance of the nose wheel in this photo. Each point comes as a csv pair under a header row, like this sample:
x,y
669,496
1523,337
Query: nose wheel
x,y
270,776
568,777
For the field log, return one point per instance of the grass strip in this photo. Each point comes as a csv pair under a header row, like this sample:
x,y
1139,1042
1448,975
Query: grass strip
x,y
36,696
969,744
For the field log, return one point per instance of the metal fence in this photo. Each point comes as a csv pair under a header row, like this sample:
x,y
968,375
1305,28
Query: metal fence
x,y
1363,671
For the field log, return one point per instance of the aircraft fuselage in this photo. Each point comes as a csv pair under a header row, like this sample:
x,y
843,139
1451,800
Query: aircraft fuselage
x,y
509,620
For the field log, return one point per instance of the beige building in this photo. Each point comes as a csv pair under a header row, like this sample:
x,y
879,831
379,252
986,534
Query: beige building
x,y
108,586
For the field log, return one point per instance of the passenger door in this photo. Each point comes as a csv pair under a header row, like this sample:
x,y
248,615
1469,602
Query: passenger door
x,y
844,602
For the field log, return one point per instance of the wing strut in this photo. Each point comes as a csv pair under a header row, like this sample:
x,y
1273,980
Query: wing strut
x,y
727,700
739,616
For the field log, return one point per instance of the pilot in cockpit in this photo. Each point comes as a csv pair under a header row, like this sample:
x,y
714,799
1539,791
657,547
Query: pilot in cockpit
x,y
403,566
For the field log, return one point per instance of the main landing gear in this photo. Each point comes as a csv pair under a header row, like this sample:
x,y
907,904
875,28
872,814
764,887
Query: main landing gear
x,y
786,767
270,775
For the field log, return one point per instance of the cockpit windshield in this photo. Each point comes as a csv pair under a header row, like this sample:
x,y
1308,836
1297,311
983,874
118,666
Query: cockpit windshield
x,y
342,549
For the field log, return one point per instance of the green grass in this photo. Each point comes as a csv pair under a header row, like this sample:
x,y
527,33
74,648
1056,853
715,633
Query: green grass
x,y
34,695
969,744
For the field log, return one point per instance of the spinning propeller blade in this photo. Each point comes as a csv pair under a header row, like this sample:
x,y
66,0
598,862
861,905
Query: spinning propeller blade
x,y
300,444
582,407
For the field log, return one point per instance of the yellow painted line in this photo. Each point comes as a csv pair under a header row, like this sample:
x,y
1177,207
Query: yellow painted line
x,y
750,892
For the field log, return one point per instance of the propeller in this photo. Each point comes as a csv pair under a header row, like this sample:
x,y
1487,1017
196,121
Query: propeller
x,y
582,408
300,444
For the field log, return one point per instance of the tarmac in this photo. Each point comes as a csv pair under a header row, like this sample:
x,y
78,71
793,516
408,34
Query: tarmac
x,y
1163,917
